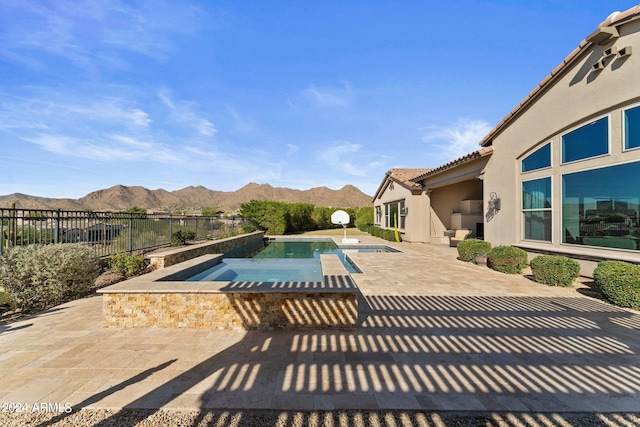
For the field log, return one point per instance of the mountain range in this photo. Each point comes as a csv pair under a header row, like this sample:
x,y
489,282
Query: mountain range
x,y
190,199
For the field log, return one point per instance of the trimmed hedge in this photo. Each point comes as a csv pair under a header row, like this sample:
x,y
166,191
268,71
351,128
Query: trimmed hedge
x,y
469,249
507,259
39,277
619,283
554,270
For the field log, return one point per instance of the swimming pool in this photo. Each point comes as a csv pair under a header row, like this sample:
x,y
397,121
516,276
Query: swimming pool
x,y
281,261
262,270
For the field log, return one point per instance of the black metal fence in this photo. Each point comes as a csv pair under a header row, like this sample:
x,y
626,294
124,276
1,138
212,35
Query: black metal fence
x,y
106,232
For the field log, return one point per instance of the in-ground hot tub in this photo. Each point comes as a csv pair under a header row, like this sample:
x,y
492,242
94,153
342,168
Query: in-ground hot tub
x,y
166,298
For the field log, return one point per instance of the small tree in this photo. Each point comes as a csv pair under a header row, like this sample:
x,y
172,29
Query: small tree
x,y
364,218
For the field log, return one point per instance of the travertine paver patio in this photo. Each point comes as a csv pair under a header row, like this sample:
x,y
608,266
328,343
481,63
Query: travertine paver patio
x,y
435,334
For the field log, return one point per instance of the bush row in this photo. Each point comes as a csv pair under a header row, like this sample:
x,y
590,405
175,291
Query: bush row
x,y
39,277
547,269
617,281
383,233
277,218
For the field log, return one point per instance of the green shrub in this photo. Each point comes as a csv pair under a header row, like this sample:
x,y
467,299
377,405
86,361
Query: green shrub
x,y
469,249
554,270
180,237
389,235
247,228
507,259
127,264
375,231
39,277
364,218
619,283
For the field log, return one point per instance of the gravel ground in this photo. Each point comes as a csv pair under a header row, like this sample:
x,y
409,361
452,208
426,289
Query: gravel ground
x,y
241,418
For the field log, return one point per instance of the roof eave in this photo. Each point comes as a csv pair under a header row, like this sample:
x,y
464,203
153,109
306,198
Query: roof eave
x,y
603,34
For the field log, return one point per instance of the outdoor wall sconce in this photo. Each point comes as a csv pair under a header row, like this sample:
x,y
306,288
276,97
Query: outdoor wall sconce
x,y
494,202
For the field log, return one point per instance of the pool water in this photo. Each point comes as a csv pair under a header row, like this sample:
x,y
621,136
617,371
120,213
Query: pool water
x,y
262,270
275,261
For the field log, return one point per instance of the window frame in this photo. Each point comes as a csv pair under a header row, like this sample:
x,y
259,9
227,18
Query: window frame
x,y
388,218
523,211
562,197
624,128
530,153
584,124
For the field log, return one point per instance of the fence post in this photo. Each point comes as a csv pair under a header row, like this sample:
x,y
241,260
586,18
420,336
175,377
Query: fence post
x,y
57,227
130,233
170,227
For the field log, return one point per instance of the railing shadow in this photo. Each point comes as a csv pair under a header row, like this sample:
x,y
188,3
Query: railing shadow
x,y
512,358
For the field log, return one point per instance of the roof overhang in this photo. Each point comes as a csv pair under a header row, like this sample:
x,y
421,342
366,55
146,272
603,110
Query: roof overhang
x,y
606,32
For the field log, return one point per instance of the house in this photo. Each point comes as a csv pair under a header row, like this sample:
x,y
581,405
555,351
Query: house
x,y
560,174
428,202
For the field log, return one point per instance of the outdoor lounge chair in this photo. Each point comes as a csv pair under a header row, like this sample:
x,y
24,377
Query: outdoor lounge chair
x,y
459,236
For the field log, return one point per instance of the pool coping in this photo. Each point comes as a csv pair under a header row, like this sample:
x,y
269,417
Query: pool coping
x,y
171,279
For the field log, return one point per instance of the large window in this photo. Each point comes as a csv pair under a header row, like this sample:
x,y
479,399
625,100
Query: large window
x,y
539,159
632,128
587,141
536,209
600,207
395,211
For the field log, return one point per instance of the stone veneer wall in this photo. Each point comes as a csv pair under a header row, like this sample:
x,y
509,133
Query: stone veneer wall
x,y
231,310
175,256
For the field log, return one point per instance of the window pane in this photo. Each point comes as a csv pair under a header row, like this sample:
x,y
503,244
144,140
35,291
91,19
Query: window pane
x,y
588,141
536,194
539,159
601,207
537,225
632,128
393,215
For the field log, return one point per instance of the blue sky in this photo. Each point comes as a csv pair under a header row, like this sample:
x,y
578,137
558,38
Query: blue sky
x,y
294,94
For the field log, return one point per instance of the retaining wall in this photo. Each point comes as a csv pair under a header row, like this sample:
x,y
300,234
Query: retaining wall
x,y
174,256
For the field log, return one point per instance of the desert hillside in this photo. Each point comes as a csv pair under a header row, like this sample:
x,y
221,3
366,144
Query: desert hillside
x,y
120,197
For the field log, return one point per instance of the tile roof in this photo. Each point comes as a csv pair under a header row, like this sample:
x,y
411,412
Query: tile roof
x,y
614,19
408,176
485,151
404,176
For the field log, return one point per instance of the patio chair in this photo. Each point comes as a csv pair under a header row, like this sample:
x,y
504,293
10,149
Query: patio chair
x,y
460,235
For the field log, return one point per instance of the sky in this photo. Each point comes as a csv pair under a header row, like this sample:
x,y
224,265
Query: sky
x,y
170,94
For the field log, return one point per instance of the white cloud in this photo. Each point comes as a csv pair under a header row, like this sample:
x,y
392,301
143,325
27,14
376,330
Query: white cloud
x,y
457,139
292,149
329,97
241,124
103,128
106,148
93,34
348,158
184,113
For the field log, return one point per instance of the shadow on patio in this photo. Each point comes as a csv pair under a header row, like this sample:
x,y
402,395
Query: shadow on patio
x,y
527,360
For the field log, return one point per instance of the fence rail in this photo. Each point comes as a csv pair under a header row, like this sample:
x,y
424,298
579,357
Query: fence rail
x,y
105,232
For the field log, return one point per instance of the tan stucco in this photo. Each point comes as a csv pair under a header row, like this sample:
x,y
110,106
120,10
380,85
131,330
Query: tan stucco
x,y
432,200
575,96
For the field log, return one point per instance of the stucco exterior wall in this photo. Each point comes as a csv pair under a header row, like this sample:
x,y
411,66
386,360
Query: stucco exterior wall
x,y
578,96
445,200
416,227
